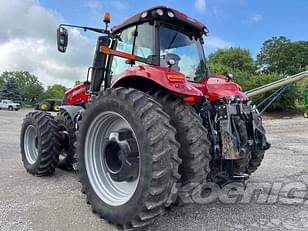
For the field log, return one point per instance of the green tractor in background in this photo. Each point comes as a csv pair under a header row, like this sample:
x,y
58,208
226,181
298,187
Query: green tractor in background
x,y
52,105
306,103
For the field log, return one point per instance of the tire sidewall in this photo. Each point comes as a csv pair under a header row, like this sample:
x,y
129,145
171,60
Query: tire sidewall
x,y
27,122
136,202
61,122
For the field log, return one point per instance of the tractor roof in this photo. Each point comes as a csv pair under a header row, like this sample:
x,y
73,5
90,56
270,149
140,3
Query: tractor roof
x,y
168,15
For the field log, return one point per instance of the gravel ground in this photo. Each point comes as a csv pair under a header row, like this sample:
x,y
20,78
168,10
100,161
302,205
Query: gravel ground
x,y
56,203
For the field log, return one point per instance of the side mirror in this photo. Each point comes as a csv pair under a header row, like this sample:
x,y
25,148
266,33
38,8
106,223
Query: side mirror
x,y
62,39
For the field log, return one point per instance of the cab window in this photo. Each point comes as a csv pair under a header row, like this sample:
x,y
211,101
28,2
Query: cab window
x,y
143,36
144,45
124,44
185,50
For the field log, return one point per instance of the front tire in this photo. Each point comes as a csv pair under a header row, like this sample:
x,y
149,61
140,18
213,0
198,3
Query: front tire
x,y
192,135
56,108
39,143
251,162
135,201
255,161
66,129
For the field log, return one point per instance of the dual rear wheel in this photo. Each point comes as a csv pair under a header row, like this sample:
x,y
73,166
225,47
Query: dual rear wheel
x,y
130,148
160,136
127,154
39,143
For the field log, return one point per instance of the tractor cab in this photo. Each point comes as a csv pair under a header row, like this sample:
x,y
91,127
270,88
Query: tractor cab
x,y
157,48
161,37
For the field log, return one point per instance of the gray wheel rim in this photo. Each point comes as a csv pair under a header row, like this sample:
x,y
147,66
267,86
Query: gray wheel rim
x,y
111,192
30,144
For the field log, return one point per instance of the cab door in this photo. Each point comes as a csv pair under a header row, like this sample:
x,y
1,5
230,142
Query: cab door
x,y
138,40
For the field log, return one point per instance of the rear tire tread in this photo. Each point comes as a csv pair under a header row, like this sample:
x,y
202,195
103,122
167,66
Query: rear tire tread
x,y
164,176
48,155
192,136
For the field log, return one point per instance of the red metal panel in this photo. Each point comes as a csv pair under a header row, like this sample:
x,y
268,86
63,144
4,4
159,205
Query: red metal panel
x,y
164,76
219,87
77,94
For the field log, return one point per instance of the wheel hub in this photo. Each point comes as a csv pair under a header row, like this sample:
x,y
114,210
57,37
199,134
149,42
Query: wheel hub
x,y
106,127
121,156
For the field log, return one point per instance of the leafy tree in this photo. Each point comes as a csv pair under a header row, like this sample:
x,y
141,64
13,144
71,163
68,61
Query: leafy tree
x,y
11,91
29,84
1,82
281,55
231,60
278,57
218,68
55,91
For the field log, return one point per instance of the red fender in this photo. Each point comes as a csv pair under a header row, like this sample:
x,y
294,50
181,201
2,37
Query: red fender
x,y
165,77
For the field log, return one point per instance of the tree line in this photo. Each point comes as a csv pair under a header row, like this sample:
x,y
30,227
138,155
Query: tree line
x,y
22,86
278,57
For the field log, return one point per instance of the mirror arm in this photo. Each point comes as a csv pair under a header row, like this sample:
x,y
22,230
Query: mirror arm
x,y
98,30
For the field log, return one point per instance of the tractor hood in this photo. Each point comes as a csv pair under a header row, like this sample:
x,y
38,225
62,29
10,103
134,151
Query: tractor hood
x,y
219,86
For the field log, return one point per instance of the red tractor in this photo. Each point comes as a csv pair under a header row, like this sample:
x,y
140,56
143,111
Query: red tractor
x,y
148,120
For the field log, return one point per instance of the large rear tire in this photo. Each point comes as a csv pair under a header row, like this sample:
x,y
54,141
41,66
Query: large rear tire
x,y
192,135
67,131
135,201
39,143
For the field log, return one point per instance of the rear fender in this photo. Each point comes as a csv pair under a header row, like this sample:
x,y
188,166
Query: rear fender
x,y
147,78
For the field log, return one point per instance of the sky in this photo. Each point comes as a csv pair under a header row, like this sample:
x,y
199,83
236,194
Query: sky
x,y
28,29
